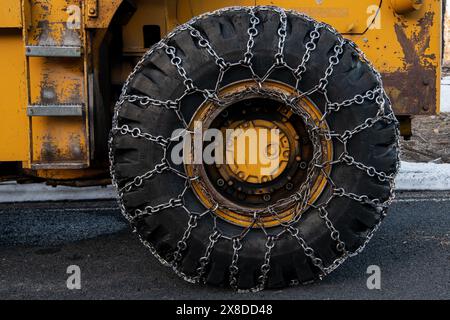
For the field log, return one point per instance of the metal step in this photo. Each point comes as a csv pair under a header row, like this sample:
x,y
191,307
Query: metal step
x,y
53,51
57,165
63,110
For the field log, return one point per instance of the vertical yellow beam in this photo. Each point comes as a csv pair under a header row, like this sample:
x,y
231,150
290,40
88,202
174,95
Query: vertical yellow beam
x,y
14,127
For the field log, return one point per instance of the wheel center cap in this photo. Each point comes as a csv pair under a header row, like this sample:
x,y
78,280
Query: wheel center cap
x,y
258,151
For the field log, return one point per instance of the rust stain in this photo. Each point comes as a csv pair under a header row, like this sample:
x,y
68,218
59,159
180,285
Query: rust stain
x,y
65,89
73,150
413,89
49,150
49,31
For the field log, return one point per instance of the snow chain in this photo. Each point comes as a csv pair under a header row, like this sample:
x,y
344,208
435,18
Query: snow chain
x,y
315,131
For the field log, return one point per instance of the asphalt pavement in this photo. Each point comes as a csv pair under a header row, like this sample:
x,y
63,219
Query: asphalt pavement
x,y
38,241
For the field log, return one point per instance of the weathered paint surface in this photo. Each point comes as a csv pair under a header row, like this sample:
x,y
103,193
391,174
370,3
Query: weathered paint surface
x,y
413,87
404,48
105,12
56,142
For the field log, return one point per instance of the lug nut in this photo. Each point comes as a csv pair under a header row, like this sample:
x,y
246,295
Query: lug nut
x,y
220,182
267,197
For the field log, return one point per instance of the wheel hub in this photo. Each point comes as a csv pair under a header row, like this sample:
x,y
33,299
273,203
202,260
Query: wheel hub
x,y
273,149
262,174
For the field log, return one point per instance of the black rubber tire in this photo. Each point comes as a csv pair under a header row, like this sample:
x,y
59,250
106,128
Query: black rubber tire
x,y
376,147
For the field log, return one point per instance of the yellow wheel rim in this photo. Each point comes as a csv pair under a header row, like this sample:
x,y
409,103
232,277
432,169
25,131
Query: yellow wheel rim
x,y
289,144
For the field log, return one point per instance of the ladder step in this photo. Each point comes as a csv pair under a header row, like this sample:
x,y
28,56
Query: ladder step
x,y
58,165
53,51
63,110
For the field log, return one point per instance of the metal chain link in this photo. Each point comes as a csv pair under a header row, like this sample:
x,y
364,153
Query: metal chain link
x,y
233,268
204,260
310,46
265,267
335,235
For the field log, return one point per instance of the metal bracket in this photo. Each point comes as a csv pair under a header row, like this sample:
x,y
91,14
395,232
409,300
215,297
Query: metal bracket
x,y
92,8
53,51
75,110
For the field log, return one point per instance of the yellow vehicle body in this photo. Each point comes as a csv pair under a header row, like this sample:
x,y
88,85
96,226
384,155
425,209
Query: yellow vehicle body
x,y
62,67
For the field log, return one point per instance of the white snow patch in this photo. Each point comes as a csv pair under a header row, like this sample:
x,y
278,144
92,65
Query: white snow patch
x,y
14,192
423,176
445,94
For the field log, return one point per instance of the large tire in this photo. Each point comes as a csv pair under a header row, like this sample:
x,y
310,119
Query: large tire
x,y
360,186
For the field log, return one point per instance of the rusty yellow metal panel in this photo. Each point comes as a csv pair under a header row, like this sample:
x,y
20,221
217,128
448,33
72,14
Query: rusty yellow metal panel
x,y
63,145
10,14
407,51
186,9
56,81
56,22
402,38
346,16
105,12
57,141
13,120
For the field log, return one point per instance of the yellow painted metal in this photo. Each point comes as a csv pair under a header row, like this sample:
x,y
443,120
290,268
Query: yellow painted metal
x,y
402,39
105,12
133,37
10,14
345,15
92,8
57,142
251,171
405,48
407,51
406,6
14,127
